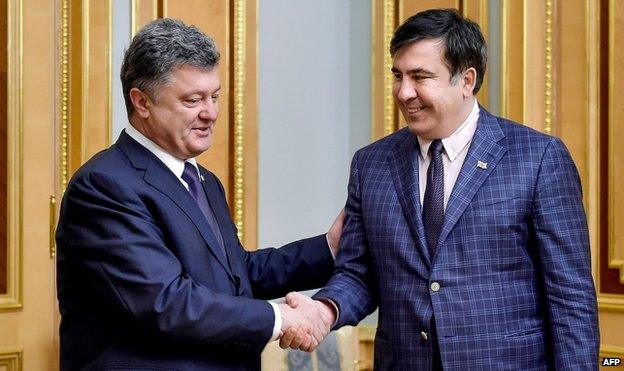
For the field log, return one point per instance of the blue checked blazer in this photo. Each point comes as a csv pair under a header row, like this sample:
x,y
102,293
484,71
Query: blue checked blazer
x,y
512,266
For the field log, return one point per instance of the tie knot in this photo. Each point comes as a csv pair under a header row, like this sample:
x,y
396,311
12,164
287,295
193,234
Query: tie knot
x,y
190,173
436,147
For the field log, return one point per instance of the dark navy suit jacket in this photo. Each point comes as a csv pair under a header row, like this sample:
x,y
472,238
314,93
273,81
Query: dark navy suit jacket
x,y
140,283
510,282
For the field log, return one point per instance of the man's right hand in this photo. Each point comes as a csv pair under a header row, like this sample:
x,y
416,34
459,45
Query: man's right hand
x,y
296,331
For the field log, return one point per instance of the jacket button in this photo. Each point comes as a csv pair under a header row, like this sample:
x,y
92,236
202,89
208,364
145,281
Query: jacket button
x,y
424,335
435,287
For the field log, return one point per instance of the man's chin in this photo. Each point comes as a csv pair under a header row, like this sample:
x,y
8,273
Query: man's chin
x,y
197,150
418,127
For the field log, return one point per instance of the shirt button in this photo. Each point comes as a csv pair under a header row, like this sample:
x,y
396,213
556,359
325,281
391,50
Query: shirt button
x,y
424,335
435,287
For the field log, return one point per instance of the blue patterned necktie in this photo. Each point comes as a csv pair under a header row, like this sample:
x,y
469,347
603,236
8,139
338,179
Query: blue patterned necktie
x,y
433,203
191,177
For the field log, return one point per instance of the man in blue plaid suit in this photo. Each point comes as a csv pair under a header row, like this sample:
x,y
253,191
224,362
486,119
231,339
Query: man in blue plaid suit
x,y
506,282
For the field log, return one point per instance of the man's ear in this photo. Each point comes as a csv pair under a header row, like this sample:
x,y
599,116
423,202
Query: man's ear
x,y
140,102
469,79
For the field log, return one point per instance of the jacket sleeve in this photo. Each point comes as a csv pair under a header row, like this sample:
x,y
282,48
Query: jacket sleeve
x,y
301,265
273,272
107,237
562,242
351,287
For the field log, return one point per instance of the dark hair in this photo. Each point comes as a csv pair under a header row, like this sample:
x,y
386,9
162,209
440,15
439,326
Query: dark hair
x,y
159,48
464,45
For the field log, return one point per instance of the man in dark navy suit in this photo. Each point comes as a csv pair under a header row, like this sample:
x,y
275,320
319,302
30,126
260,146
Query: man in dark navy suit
x,y
151,274
466,230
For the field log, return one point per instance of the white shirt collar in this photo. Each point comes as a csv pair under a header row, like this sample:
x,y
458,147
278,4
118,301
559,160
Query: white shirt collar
x,y
173,163
456,142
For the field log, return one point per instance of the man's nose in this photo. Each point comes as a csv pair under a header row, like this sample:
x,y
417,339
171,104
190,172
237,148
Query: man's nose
x,y
405,91
209,112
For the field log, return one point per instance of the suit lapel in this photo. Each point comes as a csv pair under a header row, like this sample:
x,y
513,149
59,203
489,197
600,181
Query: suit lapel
x,y
160,177
403,163
221,213
483,155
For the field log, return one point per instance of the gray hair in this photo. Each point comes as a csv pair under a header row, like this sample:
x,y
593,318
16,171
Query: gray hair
x,y
157,50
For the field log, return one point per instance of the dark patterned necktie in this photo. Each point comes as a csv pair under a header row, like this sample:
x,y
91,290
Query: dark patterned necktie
x,y
433,203
191,177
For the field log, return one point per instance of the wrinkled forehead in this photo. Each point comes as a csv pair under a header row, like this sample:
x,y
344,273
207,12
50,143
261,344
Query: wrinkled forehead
x,y
184,70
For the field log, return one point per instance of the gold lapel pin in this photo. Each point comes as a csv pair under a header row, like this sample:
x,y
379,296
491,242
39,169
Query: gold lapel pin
x,y
482,165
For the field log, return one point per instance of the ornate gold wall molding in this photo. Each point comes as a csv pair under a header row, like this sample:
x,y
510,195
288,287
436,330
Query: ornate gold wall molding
x,y
616,131
383,112
85,79
549,90
238,94
605,127
593,154
513,60
84,89
15,157
612,352
64,97
611,303
11,359
96,96
390,23
143,11
478,11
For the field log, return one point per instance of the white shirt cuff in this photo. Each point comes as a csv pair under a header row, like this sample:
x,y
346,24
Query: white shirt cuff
x,y
277,326
331,251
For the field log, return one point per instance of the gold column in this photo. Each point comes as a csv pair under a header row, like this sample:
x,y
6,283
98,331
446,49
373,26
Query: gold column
x,y
238,94
616,132
64,97
96,91
478,11
143,11
549,90
383,111
390,120
513,59
15,157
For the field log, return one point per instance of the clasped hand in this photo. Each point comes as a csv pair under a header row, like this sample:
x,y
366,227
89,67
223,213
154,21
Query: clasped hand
x,y
305,322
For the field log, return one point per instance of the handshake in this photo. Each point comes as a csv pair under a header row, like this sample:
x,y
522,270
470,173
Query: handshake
x,y
305,322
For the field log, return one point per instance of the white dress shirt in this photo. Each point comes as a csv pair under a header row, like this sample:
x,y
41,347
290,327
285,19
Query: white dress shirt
x,y
177,168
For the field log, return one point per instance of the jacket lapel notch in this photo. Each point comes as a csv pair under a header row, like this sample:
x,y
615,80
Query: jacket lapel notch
x,y
483,156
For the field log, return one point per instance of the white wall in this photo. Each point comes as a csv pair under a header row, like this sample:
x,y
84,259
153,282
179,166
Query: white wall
x,y
314,111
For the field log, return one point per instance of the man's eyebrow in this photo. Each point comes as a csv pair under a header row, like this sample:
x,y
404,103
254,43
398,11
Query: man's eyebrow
x,y
202,92
415,71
